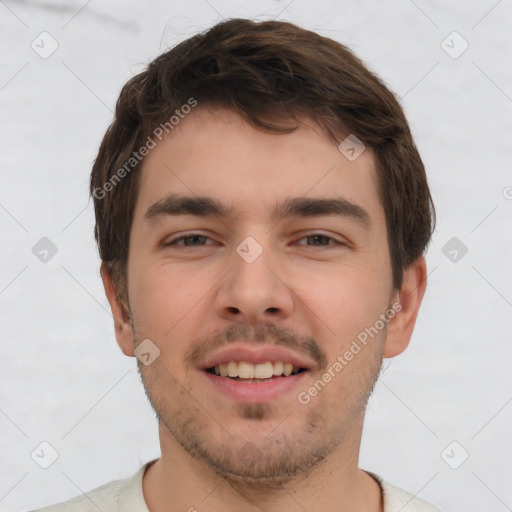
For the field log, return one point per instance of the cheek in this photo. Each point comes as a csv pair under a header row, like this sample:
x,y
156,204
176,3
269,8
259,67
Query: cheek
x,y
164,306
348,302
345,297
160,296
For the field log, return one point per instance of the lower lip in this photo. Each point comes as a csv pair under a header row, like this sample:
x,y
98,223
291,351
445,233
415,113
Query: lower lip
x,y
255,392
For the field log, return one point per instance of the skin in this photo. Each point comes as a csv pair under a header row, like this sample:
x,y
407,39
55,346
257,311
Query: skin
x,y
203,296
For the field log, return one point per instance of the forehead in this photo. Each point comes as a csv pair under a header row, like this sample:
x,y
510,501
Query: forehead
x,y
215,153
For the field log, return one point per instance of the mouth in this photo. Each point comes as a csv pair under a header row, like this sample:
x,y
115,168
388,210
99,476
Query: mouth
x,y
250,383
248,372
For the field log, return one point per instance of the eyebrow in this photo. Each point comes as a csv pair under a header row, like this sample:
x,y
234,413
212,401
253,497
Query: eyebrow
x,y
290,207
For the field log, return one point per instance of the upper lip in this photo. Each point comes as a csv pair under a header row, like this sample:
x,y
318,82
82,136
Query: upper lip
x,y
255,355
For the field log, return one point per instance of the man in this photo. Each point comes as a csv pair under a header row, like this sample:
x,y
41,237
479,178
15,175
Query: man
x,y
262,214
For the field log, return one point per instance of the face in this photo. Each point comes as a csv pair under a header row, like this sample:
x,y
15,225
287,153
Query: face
x,y
285,264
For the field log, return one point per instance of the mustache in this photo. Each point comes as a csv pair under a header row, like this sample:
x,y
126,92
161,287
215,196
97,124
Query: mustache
x,y
265,332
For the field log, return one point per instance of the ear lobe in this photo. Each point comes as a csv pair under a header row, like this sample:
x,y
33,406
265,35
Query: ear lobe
x,y
122,320
410,295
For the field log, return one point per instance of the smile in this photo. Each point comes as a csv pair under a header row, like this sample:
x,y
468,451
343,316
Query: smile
x,y
244,370
250,383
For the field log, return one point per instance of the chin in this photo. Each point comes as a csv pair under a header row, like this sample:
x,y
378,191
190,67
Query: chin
x,y
250,466
247,455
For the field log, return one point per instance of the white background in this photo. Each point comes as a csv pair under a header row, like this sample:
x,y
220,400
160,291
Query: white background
x,y
64,379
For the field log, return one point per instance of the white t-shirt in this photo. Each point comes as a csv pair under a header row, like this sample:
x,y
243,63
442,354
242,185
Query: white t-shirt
x,y
126,496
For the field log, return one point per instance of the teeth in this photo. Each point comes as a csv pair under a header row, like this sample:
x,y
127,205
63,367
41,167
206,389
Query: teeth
x,y
278,368
232,369
263,370
245,370
288,369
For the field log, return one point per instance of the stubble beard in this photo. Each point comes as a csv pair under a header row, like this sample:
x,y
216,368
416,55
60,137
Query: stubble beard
x,y
272,461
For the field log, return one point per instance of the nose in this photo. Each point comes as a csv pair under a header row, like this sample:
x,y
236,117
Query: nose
x,y
254,291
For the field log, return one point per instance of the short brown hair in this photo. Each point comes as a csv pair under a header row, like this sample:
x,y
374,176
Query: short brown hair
x,y
270,73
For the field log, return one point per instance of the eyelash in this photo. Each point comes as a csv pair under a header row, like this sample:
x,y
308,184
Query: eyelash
x,y
192,235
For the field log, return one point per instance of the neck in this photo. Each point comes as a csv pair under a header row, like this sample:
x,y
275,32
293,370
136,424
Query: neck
x,y
178,481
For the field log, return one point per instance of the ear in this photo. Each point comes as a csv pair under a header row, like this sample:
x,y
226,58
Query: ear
x,y
122,320
410,295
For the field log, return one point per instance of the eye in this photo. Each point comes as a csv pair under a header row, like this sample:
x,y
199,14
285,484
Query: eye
x,y
190,240
323,240
199,240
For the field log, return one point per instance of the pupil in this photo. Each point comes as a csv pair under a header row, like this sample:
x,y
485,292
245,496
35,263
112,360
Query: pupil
x,y
193,237
316,237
